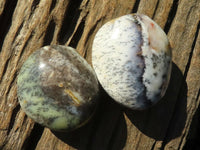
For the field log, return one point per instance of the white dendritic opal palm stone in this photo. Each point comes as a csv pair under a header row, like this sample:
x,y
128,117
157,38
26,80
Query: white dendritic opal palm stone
x,y
131,56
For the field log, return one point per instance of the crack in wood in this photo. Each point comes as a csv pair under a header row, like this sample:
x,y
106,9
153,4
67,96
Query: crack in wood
x,y
154,13
77,35
135,7
12,119
34,5
49,33
171,16
70,19
53,4
18,31
31,142
4,69
153,146
193,136
192,50
6,19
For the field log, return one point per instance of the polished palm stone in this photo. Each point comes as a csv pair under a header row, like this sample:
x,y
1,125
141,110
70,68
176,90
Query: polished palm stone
x,y
57,88
131,56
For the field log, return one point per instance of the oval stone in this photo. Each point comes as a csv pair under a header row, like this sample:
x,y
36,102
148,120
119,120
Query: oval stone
x,y
57,88
131,56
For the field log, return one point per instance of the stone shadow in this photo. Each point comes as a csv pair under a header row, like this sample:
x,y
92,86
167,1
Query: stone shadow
x,y
106,130
165,120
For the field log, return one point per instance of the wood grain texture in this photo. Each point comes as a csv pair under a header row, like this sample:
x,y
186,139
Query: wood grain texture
x,y
26,25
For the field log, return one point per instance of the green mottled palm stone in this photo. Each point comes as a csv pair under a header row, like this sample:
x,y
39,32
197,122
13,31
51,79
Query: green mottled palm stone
x,y
57,88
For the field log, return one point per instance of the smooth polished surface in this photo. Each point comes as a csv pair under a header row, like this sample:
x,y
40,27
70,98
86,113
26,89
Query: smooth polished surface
x,y
131,56
57,88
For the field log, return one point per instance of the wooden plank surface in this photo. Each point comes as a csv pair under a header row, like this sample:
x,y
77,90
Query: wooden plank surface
x,y
26,25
